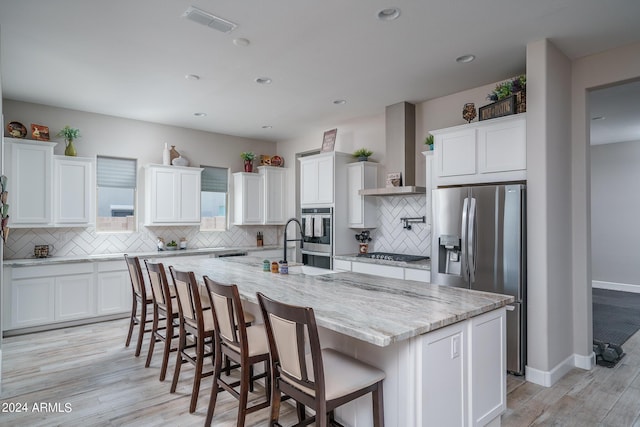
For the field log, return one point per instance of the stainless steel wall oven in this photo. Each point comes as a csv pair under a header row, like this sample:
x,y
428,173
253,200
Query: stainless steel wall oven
x,y
317,232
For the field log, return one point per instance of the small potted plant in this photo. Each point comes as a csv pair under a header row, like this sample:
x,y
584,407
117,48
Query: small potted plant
x,y
69,135
248,157
172,245
362,154
428,141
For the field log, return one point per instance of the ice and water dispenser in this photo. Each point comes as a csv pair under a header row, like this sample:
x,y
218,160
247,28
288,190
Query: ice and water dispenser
x,y
449,254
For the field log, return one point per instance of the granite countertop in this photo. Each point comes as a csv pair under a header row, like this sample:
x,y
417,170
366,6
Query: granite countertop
x,y
424,264
27,262
374,309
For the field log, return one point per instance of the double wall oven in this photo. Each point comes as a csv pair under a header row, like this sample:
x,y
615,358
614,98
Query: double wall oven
x,y
317,233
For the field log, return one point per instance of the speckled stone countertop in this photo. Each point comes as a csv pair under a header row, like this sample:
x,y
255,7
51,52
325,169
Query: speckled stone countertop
x,y
423,264
374,309
27,262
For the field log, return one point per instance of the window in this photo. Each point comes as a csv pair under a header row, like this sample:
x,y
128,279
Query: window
x,y
116,182
213,200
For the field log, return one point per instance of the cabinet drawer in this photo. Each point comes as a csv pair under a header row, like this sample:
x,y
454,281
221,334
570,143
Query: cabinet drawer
x,y
340,264
51,270
417,275
378,270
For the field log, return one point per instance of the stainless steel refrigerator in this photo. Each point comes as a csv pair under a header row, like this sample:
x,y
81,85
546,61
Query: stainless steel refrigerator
x,y
479,242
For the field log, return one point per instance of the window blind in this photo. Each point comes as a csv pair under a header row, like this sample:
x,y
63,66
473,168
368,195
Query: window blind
x,y
214,179
116,173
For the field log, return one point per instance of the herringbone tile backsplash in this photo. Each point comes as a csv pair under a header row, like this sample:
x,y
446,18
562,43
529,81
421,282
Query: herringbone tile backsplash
x,y
86,241
388,237
391,237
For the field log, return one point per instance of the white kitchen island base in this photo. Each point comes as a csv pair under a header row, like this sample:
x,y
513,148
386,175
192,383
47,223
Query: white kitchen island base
x,y
453,376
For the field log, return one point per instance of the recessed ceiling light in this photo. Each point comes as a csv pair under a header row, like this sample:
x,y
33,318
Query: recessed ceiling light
x,y
263,80
340,101
192,77
241,42
267,127
465,58
598,118
200,114
389,14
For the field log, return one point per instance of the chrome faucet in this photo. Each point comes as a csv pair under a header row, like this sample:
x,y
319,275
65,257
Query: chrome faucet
x,y
301,239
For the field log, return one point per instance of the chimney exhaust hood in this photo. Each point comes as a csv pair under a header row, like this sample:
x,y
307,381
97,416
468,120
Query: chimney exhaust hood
x,y
400,133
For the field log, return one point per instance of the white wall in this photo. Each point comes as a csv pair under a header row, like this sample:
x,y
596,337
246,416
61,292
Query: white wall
x,y
615,203
606,68
549,293
114,136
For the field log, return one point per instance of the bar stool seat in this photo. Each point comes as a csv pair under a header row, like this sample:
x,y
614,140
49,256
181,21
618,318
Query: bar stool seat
x,y
322,379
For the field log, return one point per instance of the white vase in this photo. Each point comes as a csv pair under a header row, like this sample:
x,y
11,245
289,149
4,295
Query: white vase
x,y
166,155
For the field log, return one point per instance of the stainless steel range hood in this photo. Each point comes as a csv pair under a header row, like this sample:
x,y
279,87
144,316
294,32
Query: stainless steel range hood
x,y
400,130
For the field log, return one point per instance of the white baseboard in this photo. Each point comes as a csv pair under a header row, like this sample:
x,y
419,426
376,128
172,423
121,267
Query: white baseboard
x,y
549,378
612,286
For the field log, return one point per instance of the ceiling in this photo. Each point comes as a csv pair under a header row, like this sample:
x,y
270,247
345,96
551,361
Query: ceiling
x,y
129,58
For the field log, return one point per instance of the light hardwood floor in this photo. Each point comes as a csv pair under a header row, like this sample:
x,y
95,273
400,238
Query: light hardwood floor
x,y
89,369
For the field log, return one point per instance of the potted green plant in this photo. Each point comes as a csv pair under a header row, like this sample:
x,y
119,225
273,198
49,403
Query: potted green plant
x,y
362,154
508,88
428,141
69,135
248,157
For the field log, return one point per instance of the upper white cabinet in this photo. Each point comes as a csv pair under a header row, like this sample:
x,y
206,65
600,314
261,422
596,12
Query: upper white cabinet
x,y
260,198
274,182
362,210
318,177
248,199
488,151
29,168
172,195
74,190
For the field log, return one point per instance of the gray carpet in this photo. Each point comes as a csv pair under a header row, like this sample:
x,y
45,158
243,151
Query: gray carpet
x,y
616,315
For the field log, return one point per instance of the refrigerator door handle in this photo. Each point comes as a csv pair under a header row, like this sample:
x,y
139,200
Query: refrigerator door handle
x,y
463,235
471,240
510,308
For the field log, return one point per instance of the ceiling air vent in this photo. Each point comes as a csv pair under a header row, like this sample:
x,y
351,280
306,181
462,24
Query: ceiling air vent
x,y
205,18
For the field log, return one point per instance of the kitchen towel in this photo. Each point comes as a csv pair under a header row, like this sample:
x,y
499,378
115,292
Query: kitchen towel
x,y
318,229
308,226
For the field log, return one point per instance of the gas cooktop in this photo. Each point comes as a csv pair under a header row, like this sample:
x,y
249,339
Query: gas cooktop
x,y
393,257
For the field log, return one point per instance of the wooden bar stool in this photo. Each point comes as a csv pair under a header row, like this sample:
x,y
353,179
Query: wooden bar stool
x,y
242,344
324,379
141,297
165,310
196,321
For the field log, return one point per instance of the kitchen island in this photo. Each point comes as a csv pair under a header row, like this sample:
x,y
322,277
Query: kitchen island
x,y
442,348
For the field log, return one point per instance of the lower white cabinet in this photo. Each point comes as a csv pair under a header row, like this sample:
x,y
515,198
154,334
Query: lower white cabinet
x,y
41,296
113,288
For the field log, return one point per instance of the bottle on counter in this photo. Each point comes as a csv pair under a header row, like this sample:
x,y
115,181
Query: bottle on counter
x,y
274,267
259,239
284,267
160,244
266,265
183,243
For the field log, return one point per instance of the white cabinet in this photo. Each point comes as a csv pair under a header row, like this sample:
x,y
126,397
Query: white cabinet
x,y
248,198
443,389
45,295
392,271
417,274
317,179
274,181
172,195
260,198
482,152
73,190
113,288
361,210
29,168
41,295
